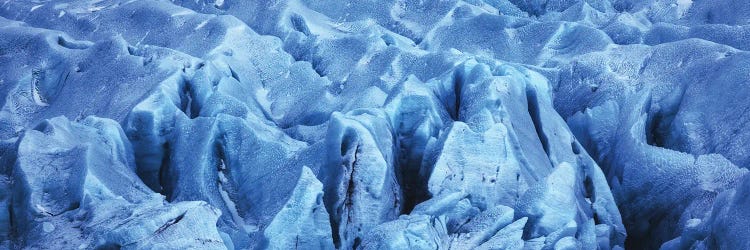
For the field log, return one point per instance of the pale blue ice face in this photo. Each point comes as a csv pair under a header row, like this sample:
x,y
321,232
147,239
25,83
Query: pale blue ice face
x,y
395,124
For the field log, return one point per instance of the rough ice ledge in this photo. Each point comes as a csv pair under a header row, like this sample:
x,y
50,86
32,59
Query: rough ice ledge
x,y
459,124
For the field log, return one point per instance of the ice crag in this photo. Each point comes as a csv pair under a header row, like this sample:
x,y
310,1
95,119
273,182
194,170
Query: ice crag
x,y
397,124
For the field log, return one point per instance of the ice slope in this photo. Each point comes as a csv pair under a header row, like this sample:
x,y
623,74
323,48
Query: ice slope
x,y
399,124
74,187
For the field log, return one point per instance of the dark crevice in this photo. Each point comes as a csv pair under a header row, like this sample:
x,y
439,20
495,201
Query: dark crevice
x,y
200,65
169,224
588,185
13,231
132,51
234,74
536,119
458,82
709,17
597,221
71,44
575,147
654,135
318,64
357,241
150,59
349,147
187,103
73,206
411,145
349,199
299,24
650,238
659,123
414,187
350,186
164,185
109,246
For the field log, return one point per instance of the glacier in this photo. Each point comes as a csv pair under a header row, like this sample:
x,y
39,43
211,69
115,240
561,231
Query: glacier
x,y
376,124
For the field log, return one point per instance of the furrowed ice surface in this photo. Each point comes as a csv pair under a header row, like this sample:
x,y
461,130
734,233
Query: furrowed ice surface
x,y
397,124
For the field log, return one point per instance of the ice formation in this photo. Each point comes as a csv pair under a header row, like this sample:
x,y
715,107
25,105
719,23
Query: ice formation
x,y
395,124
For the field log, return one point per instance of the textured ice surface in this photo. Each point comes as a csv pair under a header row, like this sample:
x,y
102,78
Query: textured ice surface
x,y
396,124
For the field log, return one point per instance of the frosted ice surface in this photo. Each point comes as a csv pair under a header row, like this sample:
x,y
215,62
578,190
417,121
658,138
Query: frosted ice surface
x,y
395,124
